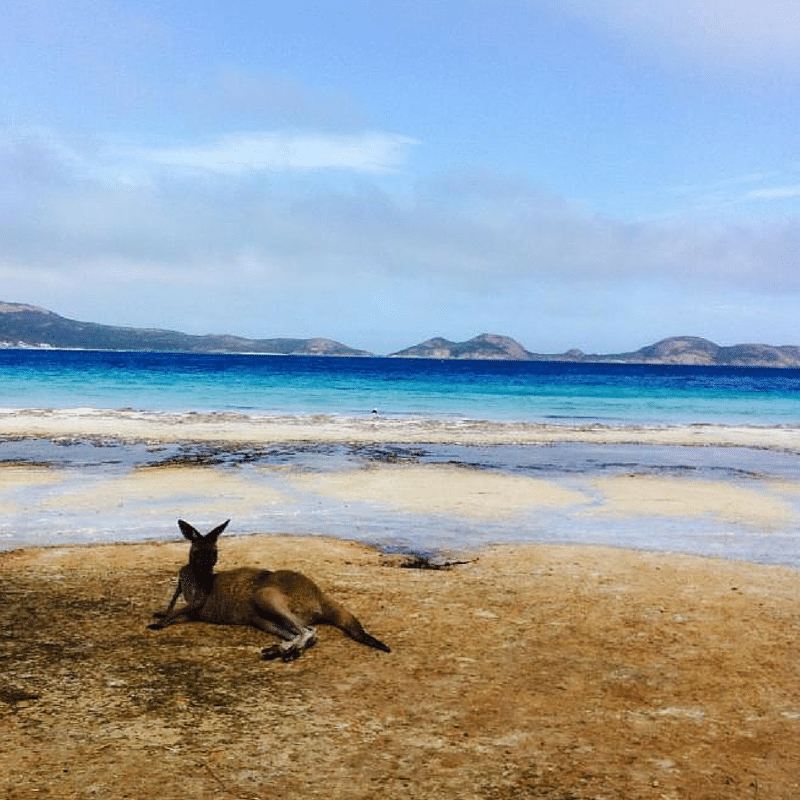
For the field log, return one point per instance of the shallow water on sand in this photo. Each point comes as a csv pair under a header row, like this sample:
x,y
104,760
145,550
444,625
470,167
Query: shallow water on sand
x,y
81,491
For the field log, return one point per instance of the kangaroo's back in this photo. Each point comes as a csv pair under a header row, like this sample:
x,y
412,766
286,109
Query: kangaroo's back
x,y
239,595
232,600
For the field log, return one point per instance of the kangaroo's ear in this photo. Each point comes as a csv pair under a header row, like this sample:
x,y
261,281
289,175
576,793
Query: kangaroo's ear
x,y
218,530
192,534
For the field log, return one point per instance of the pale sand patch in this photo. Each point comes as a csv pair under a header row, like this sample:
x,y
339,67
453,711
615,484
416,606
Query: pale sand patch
x,y
646,495
201,488
783,486
13,477
441,490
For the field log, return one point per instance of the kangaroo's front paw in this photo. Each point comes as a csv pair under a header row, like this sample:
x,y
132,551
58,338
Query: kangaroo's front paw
x,y
155,626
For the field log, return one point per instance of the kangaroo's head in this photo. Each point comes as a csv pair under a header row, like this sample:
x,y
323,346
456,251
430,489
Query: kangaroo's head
x,y
203,555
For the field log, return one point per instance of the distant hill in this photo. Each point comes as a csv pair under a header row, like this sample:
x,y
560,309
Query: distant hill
x,y
694,350
485,346
29,326
675,350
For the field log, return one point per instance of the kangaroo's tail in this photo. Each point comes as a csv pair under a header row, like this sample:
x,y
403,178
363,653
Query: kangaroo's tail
x,y
368,640
345,621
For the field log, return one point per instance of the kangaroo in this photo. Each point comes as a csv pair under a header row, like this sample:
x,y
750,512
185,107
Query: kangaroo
x,y
284,603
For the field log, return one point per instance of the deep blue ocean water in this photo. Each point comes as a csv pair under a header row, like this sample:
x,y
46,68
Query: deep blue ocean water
x,y
491,390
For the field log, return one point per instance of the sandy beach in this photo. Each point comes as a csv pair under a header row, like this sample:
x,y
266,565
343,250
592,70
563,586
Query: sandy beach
x,y
530,671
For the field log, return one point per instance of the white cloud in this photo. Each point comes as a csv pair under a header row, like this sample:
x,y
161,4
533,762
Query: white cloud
x,y
758,195
760,33
475,231
241,153
774,193
302,258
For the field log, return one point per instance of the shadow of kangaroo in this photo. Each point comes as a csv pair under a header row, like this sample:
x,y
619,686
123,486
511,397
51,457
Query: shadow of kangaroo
x,y
282,602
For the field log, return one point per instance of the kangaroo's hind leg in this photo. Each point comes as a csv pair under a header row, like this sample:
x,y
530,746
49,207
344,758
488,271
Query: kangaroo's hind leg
x,y
275,616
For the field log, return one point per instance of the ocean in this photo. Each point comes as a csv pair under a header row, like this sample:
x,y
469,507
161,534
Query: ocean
x,y
93,489
615,394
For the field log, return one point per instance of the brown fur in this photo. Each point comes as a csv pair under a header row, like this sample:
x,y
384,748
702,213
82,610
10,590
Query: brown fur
x,y
284,603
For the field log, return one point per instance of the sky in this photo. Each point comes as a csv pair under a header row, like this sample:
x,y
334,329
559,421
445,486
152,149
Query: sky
x,y
597,174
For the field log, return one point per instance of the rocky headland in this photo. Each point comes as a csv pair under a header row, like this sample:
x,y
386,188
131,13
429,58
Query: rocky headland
x,y
28,326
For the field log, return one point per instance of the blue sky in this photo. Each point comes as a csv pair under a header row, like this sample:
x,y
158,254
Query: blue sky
x,y
570,173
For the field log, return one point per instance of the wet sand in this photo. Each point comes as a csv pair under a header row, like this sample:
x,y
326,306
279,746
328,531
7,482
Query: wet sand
x,y
370,484
423,489
411,505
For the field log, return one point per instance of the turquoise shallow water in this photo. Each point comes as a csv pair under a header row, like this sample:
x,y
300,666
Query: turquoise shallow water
x,y
497,390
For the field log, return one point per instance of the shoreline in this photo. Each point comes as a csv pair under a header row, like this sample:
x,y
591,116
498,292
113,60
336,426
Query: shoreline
x,y
104,554
422,486
131,426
